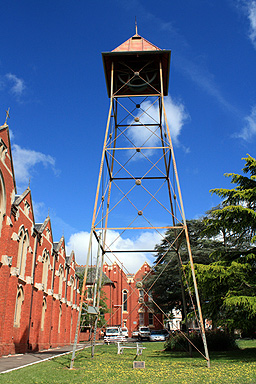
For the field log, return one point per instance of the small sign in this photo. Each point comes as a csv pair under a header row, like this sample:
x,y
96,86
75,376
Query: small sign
x,y
139,364
92,310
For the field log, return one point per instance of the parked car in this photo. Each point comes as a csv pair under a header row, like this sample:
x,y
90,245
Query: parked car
x,y
112,334
144,333
124,331
165,333
135,334
157,335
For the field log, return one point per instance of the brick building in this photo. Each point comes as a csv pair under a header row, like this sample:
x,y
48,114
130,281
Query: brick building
x,y
39,287
39,290
129,305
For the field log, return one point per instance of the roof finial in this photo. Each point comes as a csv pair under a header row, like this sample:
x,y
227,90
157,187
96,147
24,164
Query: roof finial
x,y
7,115
136,27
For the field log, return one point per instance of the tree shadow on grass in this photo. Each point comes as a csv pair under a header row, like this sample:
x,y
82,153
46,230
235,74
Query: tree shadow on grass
x,y
246,355
63,361
80,357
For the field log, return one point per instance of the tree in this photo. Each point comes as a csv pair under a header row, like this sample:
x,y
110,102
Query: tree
x,y
167,277
228,284
88,320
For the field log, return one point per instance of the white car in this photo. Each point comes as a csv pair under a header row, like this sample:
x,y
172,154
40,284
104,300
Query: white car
x,y
157,336
135,334
112,333
124,331
144,333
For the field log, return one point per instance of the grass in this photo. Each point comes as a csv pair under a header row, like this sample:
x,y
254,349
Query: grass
x,y
236,367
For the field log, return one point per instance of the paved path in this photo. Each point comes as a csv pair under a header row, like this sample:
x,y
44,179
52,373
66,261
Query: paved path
x,y
11,362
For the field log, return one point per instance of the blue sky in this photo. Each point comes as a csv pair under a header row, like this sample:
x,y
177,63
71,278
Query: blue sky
x,y
51,77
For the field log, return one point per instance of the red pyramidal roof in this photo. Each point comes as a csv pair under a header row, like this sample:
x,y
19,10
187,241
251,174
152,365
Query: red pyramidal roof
x,y
136,43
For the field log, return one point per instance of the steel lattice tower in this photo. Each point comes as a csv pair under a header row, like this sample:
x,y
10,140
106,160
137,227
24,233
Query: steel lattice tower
x,y
138,187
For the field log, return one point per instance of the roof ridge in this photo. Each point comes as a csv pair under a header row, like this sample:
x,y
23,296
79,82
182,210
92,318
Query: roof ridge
x,y
136,43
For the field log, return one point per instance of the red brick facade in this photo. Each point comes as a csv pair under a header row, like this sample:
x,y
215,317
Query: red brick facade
x,y
39,293
128,302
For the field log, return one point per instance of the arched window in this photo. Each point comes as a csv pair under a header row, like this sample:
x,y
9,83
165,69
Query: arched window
x,y
72,282
2,201
150,318
22,251
141,318
61,277
19,301
46,262
125,298
76,288
60,314
44,307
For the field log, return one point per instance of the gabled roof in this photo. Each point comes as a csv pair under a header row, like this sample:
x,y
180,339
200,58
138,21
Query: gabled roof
x,y
91,274
136,43
138,273
2,128
40,227
70,257
19,198
56,246
134,52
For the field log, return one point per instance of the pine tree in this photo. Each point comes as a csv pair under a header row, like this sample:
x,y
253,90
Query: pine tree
x,y
167,276
228,284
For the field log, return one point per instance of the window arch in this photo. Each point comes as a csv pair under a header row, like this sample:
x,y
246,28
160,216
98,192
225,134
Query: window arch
x,y
61,277
18,305
2,201
141,318
44,307
46,262
72,283
125,298
22,251
60,315
150,318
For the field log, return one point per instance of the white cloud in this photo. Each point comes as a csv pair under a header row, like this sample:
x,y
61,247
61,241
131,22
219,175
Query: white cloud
x,y
11,134
18,85
251,10
205,80
40,211
249,129
25,160
176,117
131,261
248,7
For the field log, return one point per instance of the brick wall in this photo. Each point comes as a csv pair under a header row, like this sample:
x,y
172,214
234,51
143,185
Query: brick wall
x,y
30,261
127,282
117,283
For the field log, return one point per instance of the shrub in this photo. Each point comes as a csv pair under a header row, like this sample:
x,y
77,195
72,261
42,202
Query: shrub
x,y
216,341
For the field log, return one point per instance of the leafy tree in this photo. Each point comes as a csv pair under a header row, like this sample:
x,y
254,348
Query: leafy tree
x,y
167,276
228,284
88,320
236,218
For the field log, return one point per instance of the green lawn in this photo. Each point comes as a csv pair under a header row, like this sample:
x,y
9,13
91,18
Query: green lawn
x,y
236,367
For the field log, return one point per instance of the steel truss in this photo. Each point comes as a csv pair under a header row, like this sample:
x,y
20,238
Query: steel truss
x,y
138,187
